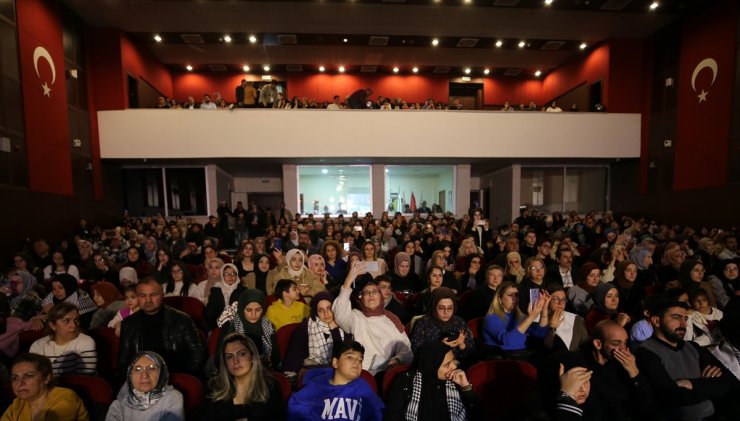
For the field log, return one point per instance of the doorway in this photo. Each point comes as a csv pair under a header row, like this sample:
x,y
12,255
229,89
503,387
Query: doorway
x,y
469,94
133,92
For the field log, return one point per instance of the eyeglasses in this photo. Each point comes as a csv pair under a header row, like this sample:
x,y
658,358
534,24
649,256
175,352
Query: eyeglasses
x,y
559,300
151,368
536,268
370,293
176,270
229,273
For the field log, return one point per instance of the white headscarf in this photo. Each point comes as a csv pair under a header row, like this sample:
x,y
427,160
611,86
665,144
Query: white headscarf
x,y
289,256
227,289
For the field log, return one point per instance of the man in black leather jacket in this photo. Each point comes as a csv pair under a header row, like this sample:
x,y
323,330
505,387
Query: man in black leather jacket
x,y
162,329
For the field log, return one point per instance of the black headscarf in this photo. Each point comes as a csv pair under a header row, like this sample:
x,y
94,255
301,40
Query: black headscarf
x,y
260,278
684,274
433,402
438,295
69,283
321,296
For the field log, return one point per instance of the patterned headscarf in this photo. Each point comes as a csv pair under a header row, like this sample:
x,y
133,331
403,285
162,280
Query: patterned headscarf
x,y
140,401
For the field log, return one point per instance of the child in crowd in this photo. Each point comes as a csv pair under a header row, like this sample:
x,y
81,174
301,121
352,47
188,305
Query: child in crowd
x,y
287,309
132,306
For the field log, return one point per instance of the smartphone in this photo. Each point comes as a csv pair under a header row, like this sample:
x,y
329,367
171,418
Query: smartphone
x,y
358,228
372,266
481,222
534,295
449,336
277,244
346,247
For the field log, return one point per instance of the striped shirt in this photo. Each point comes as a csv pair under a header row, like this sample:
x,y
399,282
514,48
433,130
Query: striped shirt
x,y
77,356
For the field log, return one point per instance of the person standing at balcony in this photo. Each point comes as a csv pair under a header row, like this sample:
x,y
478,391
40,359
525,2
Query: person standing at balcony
x,y
268,95
250,96
336,105
553,108
239,92
359,98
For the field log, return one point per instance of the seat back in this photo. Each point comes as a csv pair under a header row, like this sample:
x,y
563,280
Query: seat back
x,y
27,338
283,337
370,379
213,341
106,344
463,303
91,389
475,326
503,386
191,388
284,383
388,378
190,305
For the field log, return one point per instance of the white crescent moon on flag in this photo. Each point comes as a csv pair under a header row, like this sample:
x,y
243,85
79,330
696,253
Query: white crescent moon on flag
x,y
709,63
41,52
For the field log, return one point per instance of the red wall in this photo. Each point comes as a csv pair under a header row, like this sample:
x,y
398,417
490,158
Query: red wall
x,y
109,85
497,91
196,85
626,82
590,68
142,64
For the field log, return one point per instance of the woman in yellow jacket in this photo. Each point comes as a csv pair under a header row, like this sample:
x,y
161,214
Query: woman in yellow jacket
x,y
293,267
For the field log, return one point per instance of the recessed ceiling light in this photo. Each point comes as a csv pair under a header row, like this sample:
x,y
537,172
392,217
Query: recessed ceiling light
x,y
583,46
654,5
415,70
252,39
322,68
395,70
157,38
266,68
467,1
486,71
435,42
522,44
345,40
548,2
467,70
341,69
227,38
499,43
189,67
245,68
537,73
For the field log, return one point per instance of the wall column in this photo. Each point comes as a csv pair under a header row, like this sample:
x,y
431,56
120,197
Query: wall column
x,y
462,189
377,188
290,187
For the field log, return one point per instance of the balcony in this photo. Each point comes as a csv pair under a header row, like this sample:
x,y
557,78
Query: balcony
x,y
258,133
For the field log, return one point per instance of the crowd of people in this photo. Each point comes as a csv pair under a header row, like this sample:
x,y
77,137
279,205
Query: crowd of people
x,y
269,96
622,318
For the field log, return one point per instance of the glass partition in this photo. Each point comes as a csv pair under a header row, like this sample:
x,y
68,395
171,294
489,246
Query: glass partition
x,y
426,188
334,189
563,189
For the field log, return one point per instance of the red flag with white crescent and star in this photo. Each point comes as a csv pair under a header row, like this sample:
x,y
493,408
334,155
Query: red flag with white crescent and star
x,y
44,96
705,98
413,203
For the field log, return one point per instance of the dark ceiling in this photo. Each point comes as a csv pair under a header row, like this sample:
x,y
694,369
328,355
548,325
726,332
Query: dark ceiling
x,y
300,36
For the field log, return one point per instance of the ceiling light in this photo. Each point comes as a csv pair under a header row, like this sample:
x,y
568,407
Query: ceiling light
x,y
266,68
435,42
324,171
322,68
548,2
395,70
522,44
345,40
341,69
245,68
157,38
499,43
583,46
537,73
467,70
486,71
227,38
654,5
468,1
189,67
252,39
415,70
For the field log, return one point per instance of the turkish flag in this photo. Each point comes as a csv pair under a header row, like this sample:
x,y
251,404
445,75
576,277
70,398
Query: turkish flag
x,y
44,96
413,203
705,81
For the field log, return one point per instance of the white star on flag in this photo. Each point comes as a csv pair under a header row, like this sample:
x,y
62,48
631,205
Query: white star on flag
x,y
703,96
47,89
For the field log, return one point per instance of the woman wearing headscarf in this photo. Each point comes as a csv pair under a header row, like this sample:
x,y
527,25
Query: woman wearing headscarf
x,y
443,324
606,306
293,266
64,289
247,316
514,270
402,278
436,390
223,294
317,266
377,329
25,302
147,394
643,258
673,257
312,342
725,282
23,263
690,277
580,299
258,278
631,293
109,301
706,252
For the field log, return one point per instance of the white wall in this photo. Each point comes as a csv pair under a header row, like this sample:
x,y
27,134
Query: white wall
x,y
215,134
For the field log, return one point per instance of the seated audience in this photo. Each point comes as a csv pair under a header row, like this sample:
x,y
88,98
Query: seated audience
x,y
442,324
482,296
10,329
109,301
293,266
179,282
580,295
60,266
147,394
390,302
402,278
131,300
223,294
606,306
64,289
246,316
258,278
569,328
575,388
435,390
25,303
333,256
337,392
286,309
514,272
379,330
70,351
690,277
213,272
36,396
243,387
127,277
631,294
423,300
141,266
725,282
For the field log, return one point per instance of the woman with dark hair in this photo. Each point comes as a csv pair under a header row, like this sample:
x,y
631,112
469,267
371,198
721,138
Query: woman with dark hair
x,y
247,316
103,269
23,263
691,276
147,394
443,324
64,289
36,396
403,278
423,300
69,350
569,328
435,390
245,259
606,306
312,342
179,282
333,257
725,282
243,387
162,265
473,275
143,268
60,266
258,278
109,301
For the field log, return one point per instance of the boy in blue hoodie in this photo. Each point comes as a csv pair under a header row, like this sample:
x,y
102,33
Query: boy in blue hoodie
x,y
337,393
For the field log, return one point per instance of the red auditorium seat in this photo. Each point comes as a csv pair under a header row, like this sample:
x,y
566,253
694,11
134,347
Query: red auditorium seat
x,y
284,383
190,305
28,337
463,303
198,272
96,393
269,300
389,376
106,344
213,341
503,386
283,337
191,389
370,379
475,326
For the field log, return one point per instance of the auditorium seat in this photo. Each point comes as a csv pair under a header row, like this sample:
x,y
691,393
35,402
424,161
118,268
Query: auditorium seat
x,y
27,338
284,383
96,393
190,305
283,337
503,386
106,344
475,326
192,391
389,376
213,341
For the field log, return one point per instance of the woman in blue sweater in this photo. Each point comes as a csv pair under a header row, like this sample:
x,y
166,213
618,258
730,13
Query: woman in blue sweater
x,y
506,327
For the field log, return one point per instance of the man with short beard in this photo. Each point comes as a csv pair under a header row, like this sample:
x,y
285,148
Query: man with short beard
x,y
685,377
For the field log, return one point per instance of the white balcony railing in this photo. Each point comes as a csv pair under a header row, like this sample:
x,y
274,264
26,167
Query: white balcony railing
x,y
354,133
